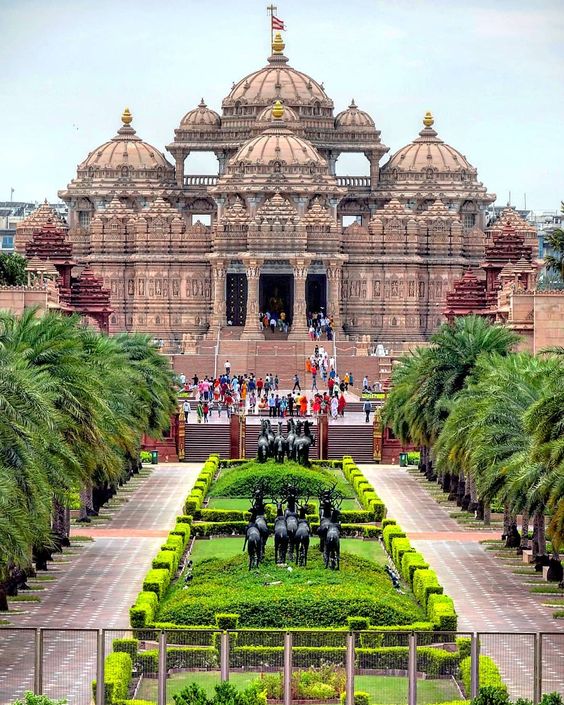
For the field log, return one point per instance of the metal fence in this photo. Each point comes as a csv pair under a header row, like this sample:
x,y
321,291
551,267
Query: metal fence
x,y
311,667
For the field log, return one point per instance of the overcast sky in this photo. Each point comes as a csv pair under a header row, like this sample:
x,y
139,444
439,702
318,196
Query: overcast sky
x,y
491,71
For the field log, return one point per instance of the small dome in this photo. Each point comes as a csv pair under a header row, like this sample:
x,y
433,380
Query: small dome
x,y
353,118
429,151
290,115
277,144
127,150
201,117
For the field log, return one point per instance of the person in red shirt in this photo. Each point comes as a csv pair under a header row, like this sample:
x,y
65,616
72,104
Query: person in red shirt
x,y
342,404
260,385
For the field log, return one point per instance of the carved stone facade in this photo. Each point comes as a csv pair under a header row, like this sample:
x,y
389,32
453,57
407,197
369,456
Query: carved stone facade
x,y
274,219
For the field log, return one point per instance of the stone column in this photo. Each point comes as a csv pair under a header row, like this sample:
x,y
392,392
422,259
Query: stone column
x,y
251,330
299,318
218,301
334,272
179,159
374,158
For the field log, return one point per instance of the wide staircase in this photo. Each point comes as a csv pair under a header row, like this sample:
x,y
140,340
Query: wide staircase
x,y
273,354
201,439
355,440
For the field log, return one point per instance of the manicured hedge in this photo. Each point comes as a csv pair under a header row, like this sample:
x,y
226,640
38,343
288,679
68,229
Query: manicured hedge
x,y
179,657
143,611
489,674
425,583
117,677
127,646
433,661
390,532
400,546
441,612
366,493
411,562
157,580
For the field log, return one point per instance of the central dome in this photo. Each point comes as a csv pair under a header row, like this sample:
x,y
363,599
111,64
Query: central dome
x,y
278,145
277,81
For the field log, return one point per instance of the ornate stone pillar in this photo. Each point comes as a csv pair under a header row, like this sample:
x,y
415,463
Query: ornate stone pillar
x,y
373,158
334,272
179,159
251,330
218,301
299,319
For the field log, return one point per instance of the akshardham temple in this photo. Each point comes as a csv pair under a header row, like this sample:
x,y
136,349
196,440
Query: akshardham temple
x,y
184,255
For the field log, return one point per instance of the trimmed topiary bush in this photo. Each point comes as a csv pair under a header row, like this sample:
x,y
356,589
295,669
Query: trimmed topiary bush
x,y
226,620
389,532
490,676
117,677
425,583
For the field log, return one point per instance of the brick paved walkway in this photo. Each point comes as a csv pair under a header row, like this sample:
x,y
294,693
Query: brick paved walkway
x,y
487,595
93,589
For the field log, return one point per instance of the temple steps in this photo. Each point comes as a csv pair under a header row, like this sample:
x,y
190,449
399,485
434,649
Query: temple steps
x,y
201,439
355,440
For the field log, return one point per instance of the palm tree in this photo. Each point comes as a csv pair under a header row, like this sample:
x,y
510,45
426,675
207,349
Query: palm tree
x,y
555,262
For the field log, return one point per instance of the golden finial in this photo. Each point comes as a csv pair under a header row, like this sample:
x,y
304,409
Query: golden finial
x,y
278,44
428,120
277,110
126,117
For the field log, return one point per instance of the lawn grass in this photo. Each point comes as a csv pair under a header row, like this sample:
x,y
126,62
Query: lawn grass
x,y
386,690
226,548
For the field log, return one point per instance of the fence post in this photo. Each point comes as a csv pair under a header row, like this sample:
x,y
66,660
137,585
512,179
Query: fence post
x,y
100,658
224,656
38,670
161,685
474,665
288,668
412,670
537,687
349,669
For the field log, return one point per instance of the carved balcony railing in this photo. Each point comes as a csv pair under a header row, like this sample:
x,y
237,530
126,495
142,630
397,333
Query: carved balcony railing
x,y
354,182
200,181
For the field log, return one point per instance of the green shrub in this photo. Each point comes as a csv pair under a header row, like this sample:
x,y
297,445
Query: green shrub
x,y
400,546
488,672
157,580
464,645
127,646
432,661
143,611
551,699
411,562
183,530
117,677
221,515
225,694
356,516
145,456
134,702
413,457
360,698
167,560
491,695
179,657
387,522
440,610
175,542
357,624
226,620
31,699
389,532
192,505
219,528
425,583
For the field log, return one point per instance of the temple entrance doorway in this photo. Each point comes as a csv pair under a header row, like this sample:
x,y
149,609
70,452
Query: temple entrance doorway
x,y
236,300
316,293
277,295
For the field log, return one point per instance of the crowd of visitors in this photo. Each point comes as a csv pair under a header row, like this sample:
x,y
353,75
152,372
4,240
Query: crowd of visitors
x,y
231,393
319,324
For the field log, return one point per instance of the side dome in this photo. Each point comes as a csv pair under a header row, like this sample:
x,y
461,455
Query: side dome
x,y
277,81
125,155
200,118
429,154
353,118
